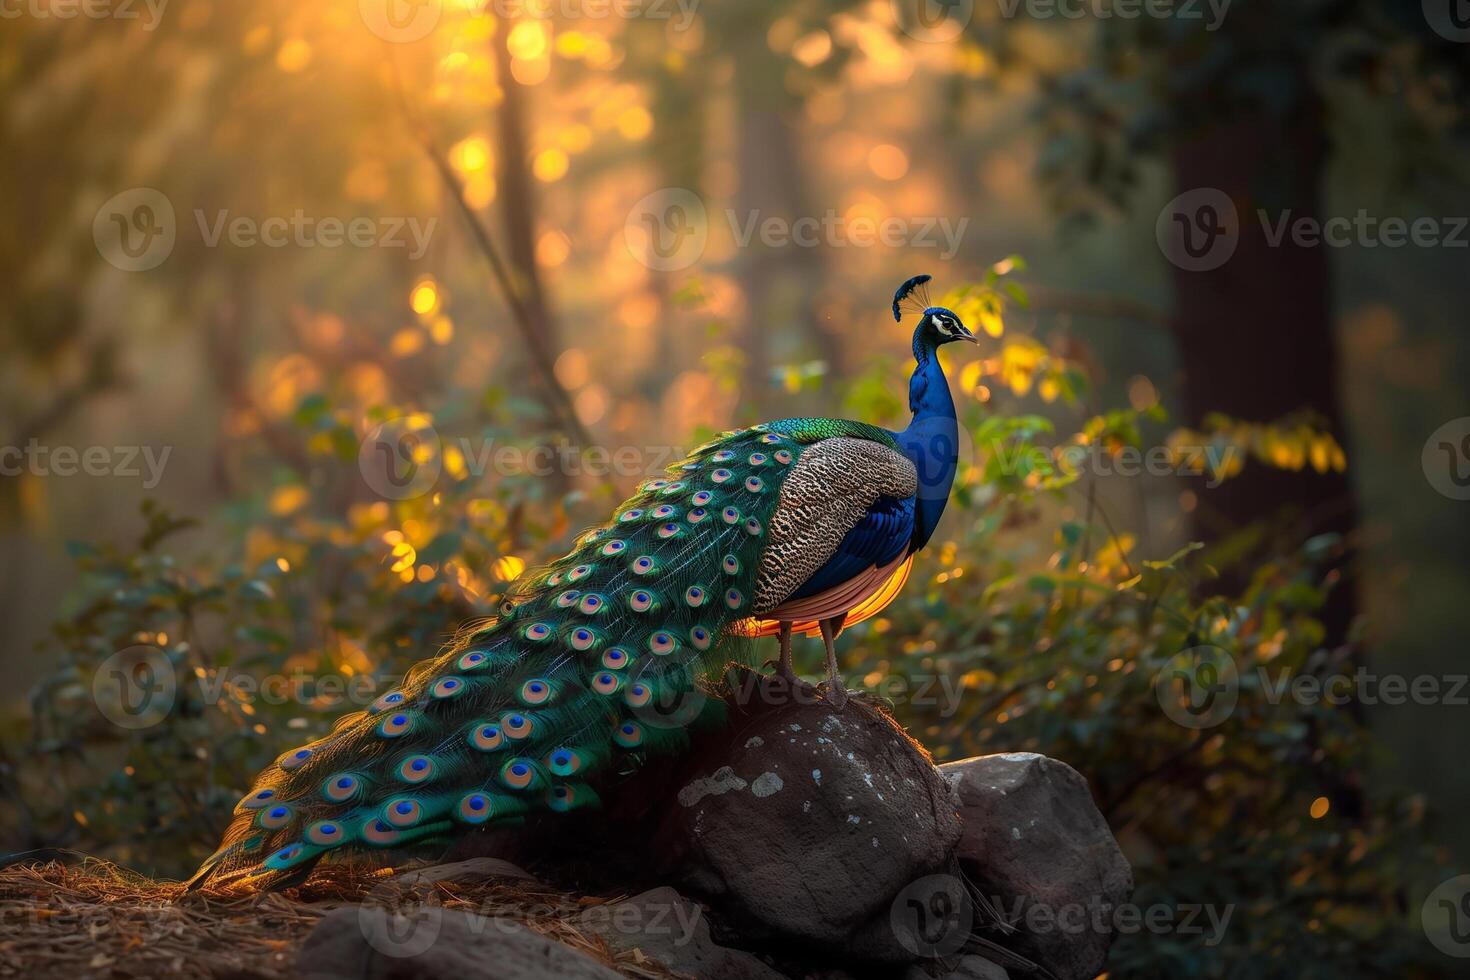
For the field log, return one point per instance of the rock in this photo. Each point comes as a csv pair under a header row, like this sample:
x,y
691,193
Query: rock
x,y
804,823
367,942
673,930
473,869
1036,846
968,968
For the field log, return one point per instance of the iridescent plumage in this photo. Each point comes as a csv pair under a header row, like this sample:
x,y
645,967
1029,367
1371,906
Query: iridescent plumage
x,y
783,527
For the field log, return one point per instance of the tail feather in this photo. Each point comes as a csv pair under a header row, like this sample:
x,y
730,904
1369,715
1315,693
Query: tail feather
x,y
594,664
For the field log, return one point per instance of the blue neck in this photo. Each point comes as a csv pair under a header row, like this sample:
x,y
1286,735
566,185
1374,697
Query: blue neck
x,y
932,438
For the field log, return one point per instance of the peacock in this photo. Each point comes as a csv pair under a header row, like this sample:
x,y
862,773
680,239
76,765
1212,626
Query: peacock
x,y
798,526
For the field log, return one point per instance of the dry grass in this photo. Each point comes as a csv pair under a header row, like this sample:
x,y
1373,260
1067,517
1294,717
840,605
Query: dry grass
x,y
97,920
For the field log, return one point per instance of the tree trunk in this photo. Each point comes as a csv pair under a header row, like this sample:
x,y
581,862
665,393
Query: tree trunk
x,y
1256,339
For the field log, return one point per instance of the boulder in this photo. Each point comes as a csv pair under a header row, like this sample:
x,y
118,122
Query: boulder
x,y
671,929
1038,849
806,822
367,942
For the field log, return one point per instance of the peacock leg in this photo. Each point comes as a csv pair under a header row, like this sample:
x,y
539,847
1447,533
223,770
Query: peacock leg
x,y
783,666
836,693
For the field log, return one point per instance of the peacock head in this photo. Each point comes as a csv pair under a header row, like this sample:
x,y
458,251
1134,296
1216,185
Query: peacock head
x,y
937,324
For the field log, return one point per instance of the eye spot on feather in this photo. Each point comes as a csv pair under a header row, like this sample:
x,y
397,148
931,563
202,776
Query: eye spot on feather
x,y
325,833
275,818
723,456
640,600
447,687
387,701
644,565
721,475
395,725
753,527
567,599
402,812
615,658
564,762
517,774
375,831
471,660
734,599
560,799
294,760
486,738
697,514
628,735
341,788
516,727
655,485
579,573
537,632
669,530
694,597
553,580
582,639
606,684
284,858
638,695
702,498
700,637
754,484
616,547
474,808
592,604
535,691
730,515
759,459
783,457
662,511
676,487
417,769
629,516
770,439
662,643
731,565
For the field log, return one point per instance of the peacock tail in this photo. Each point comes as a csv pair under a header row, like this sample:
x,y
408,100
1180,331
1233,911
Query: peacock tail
x,y
593,666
